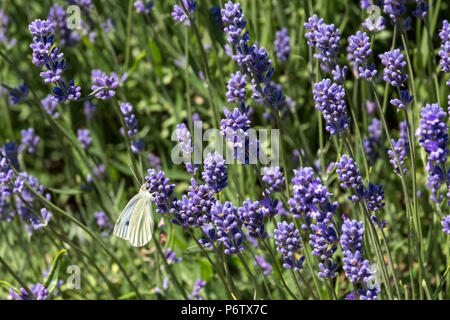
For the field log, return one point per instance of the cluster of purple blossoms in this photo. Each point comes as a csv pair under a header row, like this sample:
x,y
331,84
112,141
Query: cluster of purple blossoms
x,y
329,98
30,141
158,184
50,106
254,60
446,224
99,173
289,242
15,197
236,88
199,284
46,53
308,193
274,179
433,137
57,16
325,39
18,93
215,172
369,24
171,256
421,10
103,223
104,83
195,208
253,219
165,287
39,291
84,137
373,142
356,268
359,53
143,6
393,62
348,172
131,123
281,43
399,149
444,53
404,100
263,264
395,8
433,133
183,14
228,224
350,177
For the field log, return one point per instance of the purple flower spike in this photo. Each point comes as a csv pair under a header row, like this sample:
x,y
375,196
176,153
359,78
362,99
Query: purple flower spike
x,y
143,7
393,62
356,268
329,99
184,14
444,53
288,242
282,47
274,179
433,133
400,150
236,88
157,183
263,264
446,224
348,172
215,172
100,79
40,28
253,219
30,141
359,54
84,137
228,224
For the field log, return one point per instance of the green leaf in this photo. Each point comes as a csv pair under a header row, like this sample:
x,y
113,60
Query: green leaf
x,y
8,286
156,54
52,278
441,284
137,62
68,191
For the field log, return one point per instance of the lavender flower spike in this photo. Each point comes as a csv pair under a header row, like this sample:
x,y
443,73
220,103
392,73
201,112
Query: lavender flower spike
x,y
329,99
181,14
282,47
215,172
288,242
393,62
157,183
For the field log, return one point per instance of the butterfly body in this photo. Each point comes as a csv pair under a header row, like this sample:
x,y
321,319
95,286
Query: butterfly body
x,y
136,222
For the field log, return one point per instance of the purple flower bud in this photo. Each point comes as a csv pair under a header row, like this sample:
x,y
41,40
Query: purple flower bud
x,y
228,224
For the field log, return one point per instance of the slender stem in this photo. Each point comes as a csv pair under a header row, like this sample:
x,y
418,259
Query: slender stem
x,y
280,274
250,274
127,141
16,277
169,269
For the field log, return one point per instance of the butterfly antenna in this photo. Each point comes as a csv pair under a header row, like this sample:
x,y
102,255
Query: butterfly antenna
x,y
135,177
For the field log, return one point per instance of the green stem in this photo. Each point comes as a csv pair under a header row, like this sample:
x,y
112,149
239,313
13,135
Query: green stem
x,y
16,277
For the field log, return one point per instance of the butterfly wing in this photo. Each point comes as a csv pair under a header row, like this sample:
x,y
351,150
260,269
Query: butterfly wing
x,y
121,229
141,223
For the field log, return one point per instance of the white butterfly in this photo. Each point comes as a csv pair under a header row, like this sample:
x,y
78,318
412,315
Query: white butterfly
x,y
136,222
